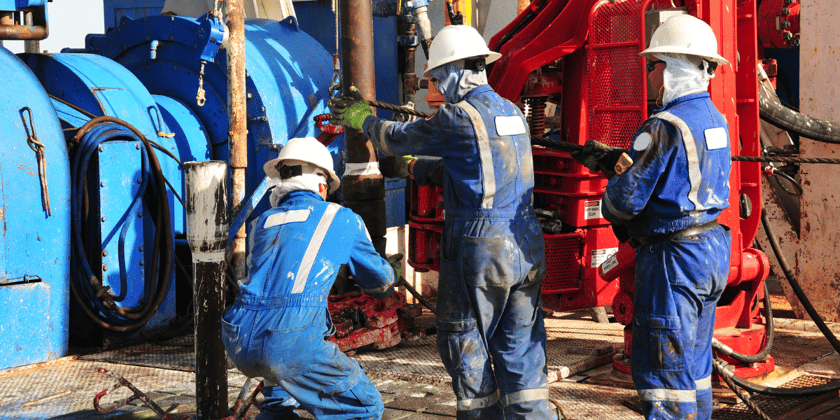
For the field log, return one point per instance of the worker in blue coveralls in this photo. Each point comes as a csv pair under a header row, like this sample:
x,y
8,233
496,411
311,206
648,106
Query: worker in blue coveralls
x,y
490,331
276,327
669,202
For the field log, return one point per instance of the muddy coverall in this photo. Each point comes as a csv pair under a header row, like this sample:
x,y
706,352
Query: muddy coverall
x,y
276,327
670,200
492,253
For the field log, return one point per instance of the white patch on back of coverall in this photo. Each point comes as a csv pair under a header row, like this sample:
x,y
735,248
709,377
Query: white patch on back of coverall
x,y
509,126
716,138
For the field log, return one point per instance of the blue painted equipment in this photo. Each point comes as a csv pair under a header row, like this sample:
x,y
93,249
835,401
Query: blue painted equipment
x,y
146,96
35,259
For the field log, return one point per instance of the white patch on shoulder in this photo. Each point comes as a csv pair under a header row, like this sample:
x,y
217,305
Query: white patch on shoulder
x,y
642,142
716,138
509,126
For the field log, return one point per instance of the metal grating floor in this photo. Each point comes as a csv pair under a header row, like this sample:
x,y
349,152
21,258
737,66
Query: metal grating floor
x,y
410,377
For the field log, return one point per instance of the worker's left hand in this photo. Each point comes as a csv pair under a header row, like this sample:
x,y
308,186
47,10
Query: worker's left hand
x,y
350,110
396,166
597,156
394,260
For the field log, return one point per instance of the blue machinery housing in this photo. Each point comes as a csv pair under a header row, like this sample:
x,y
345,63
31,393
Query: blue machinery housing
x,y
93,222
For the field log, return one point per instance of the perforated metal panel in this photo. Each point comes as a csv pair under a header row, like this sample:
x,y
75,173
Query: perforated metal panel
x,y
616,75
562,263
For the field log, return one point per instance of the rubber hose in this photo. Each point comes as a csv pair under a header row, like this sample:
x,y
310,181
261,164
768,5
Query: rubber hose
x,y
794,284
787,119
768,328
119,319
788,392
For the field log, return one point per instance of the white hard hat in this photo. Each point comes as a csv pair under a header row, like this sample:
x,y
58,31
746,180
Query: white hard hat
x,y
305,149
684,34
457,42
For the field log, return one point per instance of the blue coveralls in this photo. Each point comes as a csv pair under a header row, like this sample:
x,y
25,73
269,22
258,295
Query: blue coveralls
x,y
276,327
680,179
492,252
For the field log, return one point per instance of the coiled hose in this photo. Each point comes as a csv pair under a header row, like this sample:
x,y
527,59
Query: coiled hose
x,y
95,299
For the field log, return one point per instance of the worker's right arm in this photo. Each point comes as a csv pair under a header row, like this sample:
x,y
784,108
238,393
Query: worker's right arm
x,y
372,273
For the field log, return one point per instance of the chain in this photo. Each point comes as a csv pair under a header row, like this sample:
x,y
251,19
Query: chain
x,y
199,96
38,148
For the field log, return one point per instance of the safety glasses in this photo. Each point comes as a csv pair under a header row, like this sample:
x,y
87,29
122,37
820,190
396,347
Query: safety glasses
x,y
651,65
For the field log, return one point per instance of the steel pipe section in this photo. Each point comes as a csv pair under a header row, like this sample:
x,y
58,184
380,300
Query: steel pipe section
x,y
207,233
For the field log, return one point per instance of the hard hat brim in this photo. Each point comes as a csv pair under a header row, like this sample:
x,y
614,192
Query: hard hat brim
x,y
670,49
488,58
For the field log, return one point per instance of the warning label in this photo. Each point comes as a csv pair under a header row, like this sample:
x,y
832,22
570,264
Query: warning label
x,y
592,210
601,255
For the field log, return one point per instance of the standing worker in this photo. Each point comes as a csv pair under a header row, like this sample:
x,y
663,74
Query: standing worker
x,y
492,252
669,201
276,327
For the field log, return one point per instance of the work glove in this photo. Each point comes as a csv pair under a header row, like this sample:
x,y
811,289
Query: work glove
x,y
597,156
396,166
394,260
350,110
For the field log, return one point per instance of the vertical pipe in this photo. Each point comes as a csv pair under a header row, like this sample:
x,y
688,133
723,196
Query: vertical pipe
x,y
363,184
207,232
237,128
31,46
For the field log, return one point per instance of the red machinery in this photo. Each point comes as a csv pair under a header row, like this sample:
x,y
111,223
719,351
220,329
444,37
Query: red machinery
x,y
581,58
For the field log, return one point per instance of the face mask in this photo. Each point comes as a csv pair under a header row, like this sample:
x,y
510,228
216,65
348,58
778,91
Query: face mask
x,y
683,75
456,82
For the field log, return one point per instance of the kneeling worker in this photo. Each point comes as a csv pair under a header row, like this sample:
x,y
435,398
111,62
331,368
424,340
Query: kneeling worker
x,y
276,327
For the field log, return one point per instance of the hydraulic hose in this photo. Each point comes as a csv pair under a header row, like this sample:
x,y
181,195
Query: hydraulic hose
x,y
769,333
787,119
95,300
787,392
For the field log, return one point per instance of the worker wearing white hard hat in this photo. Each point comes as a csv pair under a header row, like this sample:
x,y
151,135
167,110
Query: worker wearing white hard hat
x,y
490,331
277,326
668,204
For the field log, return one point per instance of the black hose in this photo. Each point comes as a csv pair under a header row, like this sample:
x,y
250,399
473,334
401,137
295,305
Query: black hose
x,y
791,392
794,284
727,377
115,318
787,119
769,333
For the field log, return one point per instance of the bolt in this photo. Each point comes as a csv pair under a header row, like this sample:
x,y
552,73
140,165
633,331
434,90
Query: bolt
x,y
139,214
137,147
104,253
785,11
249,95
139,180
785,24
140,248
788,2
103,218
101,148
794,42
102,184
141,262
105,267
787,36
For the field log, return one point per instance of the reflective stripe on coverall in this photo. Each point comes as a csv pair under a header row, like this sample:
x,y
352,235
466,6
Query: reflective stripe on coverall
x,y
680,178
492,253
276,327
